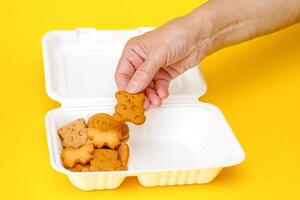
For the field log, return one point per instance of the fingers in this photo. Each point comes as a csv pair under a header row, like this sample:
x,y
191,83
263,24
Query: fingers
x,y
146,104
123,73
143,75
128,63
153,97
157,89
161,88
133,67
135,75
162,80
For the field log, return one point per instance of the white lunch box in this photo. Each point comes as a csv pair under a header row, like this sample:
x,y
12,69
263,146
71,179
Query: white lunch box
x,y
182,142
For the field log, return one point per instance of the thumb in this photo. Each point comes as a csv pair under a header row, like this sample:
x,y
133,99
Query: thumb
x,y
143,76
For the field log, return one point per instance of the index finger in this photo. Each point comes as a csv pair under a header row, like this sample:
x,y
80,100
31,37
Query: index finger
x,y
128,63
124,72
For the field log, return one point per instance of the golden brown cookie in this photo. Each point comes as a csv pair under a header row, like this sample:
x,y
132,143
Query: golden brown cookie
x,y
75,139
108,138
104,122
71,134
80,168
123,152
125,131
130,107
109,154
71,156
105,160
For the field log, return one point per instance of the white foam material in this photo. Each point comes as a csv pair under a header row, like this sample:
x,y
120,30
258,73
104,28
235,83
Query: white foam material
x,y
182,142
169,139
79,70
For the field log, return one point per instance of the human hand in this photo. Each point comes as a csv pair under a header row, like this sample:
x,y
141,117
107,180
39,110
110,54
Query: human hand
x,y
150,61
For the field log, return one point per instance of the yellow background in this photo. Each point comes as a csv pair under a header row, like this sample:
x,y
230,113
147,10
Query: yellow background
x,y
256,84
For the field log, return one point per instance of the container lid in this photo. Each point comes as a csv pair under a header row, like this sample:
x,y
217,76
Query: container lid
x,y
80,66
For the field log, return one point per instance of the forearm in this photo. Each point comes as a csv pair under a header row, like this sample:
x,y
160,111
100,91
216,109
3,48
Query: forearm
x,y
228,22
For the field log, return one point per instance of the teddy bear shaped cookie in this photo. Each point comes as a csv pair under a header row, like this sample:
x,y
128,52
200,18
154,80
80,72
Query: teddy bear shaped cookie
x,y
105,160
105,122
98,146
72,134
100,138
108,159
130,107
71,156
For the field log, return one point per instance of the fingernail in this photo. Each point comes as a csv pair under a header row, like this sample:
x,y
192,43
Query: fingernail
x,y
133,87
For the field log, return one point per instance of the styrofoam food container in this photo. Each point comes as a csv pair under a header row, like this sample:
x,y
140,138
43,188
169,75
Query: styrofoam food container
x,y
182,142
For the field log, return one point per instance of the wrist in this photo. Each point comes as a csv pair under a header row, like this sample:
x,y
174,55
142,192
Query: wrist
x,y
202,28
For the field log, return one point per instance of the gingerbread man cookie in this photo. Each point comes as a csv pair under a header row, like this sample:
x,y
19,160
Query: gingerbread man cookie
x,y
130,107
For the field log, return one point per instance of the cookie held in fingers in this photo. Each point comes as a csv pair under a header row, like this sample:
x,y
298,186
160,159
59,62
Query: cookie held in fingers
x,y
130,107
105,122
108,138
71,156
71,134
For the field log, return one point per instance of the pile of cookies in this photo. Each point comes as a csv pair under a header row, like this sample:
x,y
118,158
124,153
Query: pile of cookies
x,y
100,144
